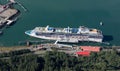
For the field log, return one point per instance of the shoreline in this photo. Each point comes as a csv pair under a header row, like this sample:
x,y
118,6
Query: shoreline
x,y
12,48
33,46
28,45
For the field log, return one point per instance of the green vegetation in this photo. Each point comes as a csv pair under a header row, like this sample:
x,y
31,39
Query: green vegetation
x,y
56,61
12,53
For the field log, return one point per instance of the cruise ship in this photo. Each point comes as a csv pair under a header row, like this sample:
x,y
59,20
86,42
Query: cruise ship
x,y
70,35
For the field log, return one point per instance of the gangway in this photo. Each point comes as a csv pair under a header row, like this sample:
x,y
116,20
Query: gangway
x,y
62,45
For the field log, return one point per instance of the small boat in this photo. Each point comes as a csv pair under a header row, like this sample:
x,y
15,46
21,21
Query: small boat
x,y
101,23
9,22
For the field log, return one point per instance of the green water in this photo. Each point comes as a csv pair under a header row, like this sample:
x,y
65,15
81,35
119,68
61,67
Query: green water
x,y
63,13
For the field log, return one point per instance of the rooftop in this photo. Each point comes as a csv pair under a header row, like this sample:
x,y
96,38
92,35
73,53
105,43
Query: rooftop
x,y
90,48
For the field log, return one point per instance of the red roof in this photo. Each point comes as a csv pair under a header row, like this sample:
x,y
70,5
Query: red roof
x,y
90,48
83,53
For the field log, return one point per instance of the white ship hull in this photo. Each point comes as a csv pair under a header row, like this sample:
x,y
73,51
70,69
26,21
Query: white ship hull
x,y
63,39
51,38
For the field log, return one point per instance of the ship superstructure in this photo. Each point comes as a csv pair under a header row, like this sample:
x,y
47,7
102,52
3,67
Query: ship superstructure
x,y
72,35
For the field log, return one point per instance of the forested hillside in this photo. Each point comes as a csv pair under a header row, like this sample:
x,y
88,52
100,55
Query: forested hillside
x,y
56,61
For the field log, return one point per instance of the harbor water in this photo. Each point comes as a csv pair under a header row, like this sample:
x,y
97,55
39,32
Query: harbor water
x,y
64,13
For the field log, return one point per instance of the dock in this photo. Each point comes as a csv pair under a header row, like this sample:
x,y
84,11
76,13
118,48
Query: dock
x,y
4,16
6,13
